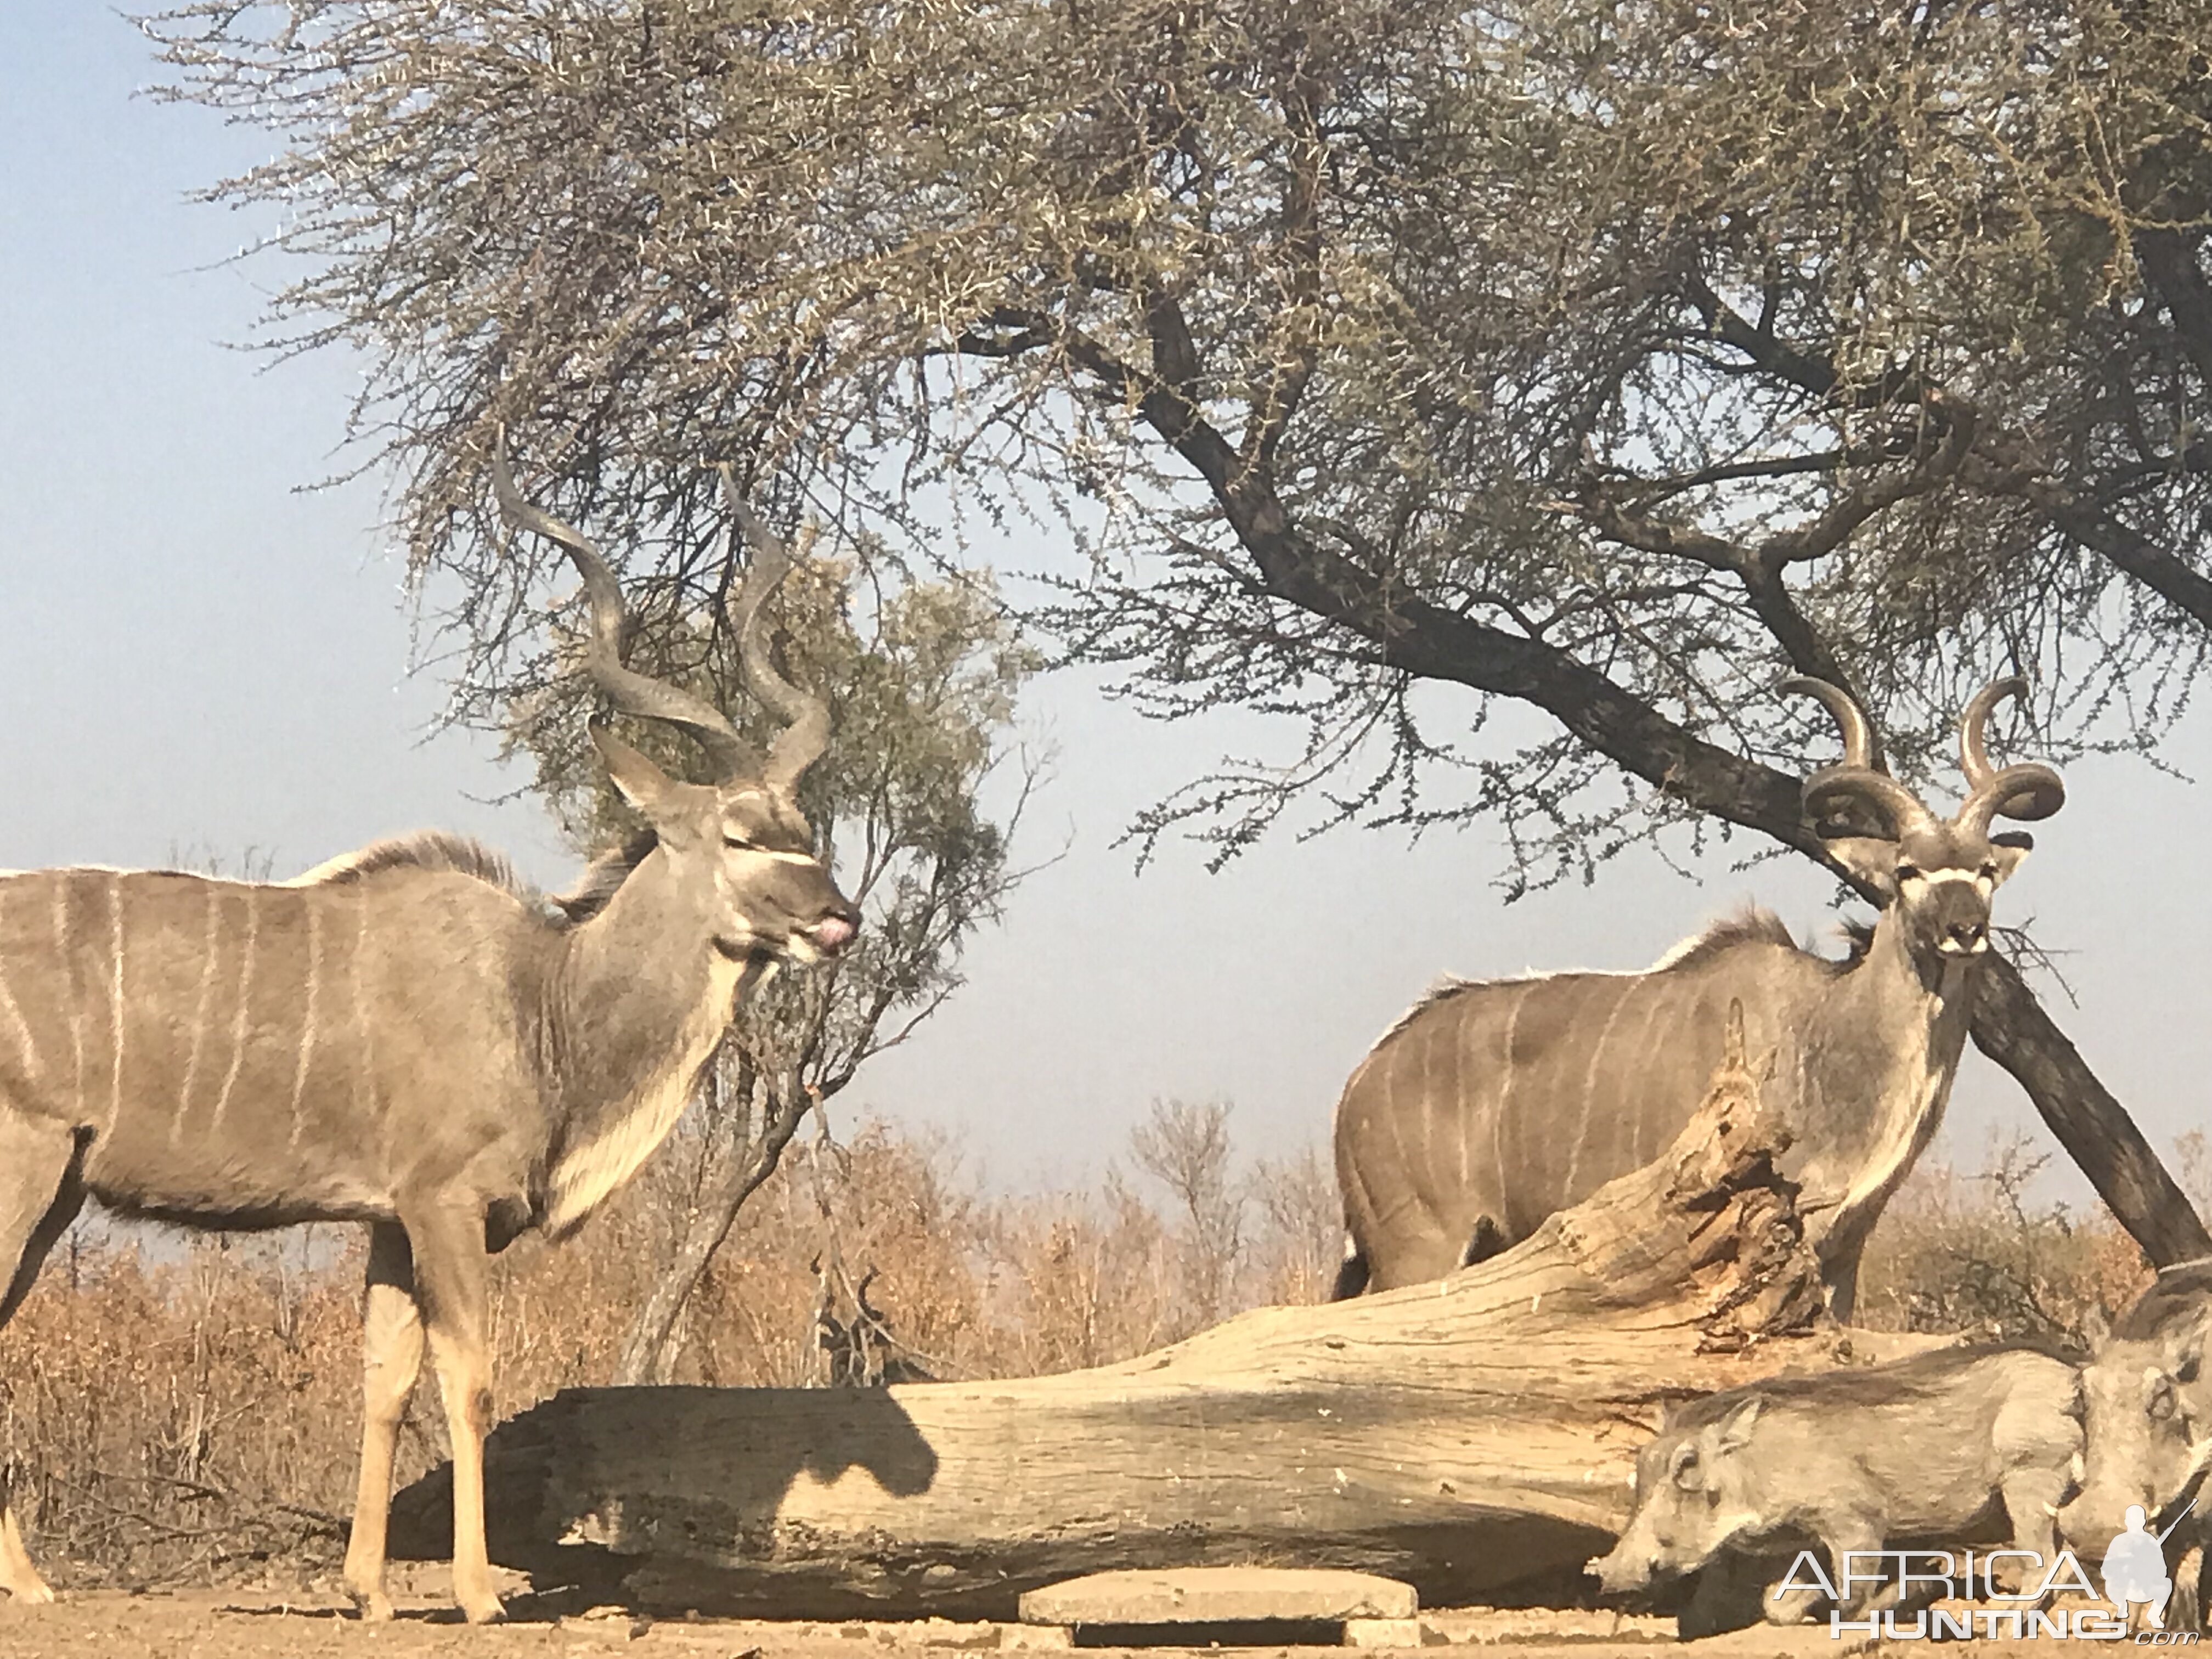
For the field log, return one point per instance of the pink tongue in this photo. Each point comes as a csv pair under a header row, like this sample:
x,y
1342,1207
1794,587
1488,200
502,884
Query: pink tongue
x,y
833,932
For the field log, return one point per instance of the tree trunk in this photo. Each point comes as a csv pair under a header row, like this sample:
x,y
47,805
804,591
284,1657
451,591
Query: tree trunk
x,y
1472,1436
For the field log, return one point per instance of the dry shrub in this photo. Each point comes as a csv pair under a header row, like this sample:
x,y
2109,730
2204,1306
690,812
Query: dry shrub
x,y
1979,1255
176,1413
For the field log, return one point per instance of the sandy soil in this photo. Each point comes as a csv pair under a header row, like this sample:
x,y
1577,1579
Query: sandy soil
x,y
308,1624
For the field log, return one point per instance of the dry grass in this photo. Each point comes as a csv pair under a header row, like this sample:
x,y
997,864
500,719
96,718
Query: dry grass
x,y
186,1409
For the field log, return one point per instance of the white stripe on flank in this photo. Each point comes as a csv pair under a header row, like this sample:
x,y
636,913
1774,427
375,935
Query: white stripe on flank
x,y
1428,1099
364,1057
115,999
1590,1087
1459,1095
22,1028
1393,1110
199,1016
1636,1158
1504,1094
307,1032
245,1002
72,993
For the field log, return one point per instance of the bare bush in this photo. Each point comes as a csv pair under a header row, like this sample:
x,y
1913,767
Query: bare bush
x,y
1300,1243
1184,1145
1979,1254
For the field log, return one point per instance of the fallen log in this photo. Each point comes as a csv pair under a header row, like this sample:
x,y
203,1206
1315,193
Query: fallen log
x,y
1470,1437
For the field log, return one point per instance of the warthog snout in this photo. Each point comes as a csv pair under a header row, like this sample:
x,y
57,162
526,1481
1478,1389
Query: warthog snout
x,y
1622,1571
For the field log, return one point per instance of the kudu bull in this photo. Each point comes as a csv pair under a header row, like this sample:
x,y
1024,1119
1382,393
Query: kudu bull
x,y
407,1037
1492,1105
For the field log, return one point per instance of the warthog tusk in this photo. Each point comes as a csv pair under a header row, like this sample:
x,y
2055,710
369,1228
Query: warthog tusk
x,y
2051,1508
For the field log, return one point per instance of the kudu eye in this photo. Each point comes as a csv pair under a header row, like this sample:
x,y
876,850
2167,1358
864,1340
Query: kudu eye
x,y
1908,872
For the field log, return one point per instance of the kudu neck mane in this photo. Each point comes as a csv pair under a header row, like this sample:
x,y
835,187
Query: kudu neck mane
x,y
438,849
1753,925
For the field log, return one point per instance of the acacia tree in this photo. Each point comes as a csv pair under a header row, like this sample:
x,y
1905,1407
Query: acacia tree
x,y
922,691
1608,359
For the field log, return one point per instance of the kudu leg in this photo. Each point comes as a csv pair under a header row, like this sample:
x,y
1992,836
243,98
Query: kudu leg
x,y
392,1358
39,1196
451,1269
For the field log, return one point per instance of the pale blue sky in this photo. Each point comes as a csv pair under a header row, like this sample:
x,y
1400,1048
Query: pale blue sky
x,y
202,658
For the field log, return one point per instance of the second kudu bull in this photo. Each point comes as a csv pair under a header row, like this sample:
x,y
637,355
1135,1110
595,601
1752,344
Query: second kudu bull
x,y
408,1037
1492,1105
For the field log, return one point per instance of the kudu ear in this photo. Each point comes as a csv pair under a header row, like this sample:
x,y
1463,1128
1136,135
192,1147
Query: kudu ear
x,y
1870,858
2009,851
642,784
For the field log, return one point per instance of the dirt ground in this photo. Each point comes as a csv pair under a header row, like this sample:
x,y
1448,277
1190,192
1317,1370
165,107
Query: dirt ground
x,y
309,1623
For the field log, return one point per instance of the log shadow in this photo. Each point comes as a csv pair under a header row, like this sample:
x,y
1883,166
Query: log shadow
x,y
651,1445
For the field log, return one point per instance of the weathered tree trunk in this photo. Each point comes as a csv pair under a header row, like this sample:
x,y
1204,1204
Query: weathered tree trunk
x,y
1469,1436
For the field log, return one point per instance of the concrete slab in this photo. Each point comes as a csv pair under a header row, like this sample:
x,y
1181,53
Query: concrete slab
x,y
1218,1596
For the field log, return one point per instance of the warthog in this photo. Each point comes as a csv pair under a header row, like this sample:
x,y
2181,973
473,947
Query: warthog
x,y
1924,1448
2147,1430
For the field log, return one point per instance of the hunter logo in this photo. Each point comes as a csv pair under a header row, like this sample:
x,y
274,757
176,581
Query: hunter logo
x,y
2135,1569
